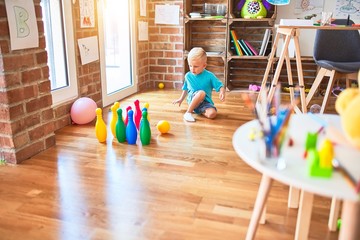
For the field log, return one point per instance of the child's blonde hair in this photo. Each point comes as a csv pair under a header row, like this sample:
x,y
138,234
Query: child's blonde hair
x,y
197,53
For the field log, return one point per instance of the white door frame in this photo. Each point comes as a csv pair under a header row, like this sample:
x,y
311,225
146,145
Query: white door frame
x,y
118,95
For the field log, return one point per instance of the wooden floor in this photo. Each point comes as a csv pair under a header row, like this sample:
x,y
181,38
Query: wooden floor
x,y
187,184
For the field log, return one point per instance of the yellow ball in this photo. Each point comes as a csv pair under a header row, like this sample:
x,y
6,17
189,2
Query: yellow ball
x,y
161,85
163,126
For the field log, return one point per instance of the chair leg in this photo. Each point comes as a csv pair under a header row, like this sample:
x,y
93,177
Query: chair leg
x,y
328,90
319,77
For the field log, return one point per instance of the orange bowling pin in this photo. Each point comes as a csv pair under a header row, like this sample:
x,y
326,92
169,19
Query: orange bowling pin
x,y
100,126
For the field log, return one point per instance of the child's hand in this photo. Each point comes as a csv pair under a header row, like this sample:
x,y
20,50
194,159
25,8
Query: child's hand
x,y
178,101
222,94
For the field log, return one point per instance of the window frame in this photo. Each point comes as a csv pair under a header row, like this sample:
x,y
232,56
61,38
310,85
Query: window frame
x,y
70,91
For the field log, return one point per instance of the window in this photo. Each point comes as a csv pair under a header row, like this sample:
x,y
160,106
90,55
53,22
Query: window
x,y
58,27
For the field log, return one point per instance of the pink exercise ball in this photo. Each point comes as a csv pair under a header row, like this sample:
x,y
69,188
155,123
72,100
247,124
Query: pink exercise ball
x,y
83,110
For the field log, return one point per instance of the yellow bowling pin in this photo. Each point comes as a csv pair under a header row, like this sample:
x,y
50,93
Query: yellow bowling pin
x,y
114,118
100,126
146,105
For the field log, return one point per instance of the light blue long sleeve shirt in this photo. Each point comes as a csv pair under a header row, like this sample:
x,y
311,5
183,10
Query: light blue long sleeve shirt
x,y
206,81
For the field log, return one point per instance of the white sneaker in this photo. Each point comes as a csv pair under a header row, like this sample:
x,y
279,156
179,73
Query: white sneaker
x,y
188,117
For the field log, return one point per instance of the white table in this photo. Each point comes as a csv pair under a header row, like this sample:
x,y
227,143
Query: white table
x,y
295,174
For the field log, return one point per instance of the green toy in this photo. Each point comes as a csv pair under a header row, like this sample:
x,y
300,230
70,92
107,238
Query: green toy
x,y
339,223
311,141
313,165
252,8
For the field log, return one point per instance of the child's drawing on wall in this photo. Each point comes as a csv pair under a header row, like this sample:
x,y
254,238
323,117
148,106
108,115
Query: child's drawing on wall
x,y
87,13
347,7
309,6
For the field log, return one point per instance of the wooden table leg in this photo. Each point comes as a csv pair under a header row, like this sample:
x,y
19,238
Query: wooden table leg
x,y
293,198
350,218
334,214
260,202
304,216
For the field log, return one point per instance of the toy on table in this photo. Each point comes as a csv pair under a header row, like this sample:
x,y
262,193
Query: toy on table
x,y
313,164
347,105
252,8
310,142
319,162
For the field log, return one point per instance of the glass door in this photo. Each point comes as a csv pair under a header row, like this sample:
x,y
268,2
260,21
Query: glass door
x,y
117,49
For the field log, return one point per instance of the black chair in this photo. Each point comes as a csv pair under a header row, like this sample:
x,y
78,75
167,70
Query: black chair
x,y
337,53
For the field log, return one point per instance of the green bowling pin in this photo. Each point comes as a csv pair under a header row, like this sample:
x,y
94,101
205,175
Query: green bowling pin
x,y
145,131
120,129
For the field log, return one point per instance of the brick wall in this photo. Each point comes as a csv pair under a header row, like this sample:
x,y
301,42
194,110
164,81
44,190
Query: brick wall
x,y
165,48
142,50
26,116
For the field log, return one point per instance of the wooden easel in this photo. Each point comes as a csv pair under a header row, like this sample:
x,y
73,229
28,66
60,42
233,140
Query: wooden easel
x,y
288,33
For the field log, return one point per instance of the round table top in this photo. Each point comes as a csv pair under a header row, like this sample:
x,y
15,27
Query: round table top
x,y
295,173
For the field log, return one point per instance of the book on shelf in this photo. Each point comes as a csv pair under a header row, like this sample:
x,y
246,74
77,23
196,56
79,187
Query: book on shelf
x,y
236,43
251,48
212,53
245,49
265,42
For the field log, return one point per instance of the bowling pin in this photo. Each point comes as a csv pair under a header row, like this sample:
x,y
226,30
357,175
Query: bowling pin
x,y
145,131
131,131
100,126
120,128
138,114
127,114
141,121
114,117
146,105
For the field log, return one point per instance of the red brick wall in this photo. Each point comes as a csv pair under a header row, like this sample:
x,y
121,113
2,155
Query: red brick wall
x,y
142,49
165,48
26,116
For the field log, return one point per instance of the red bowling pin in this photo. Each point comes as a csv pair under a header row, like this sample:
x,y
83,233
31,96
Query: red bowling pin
x,y
138,114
